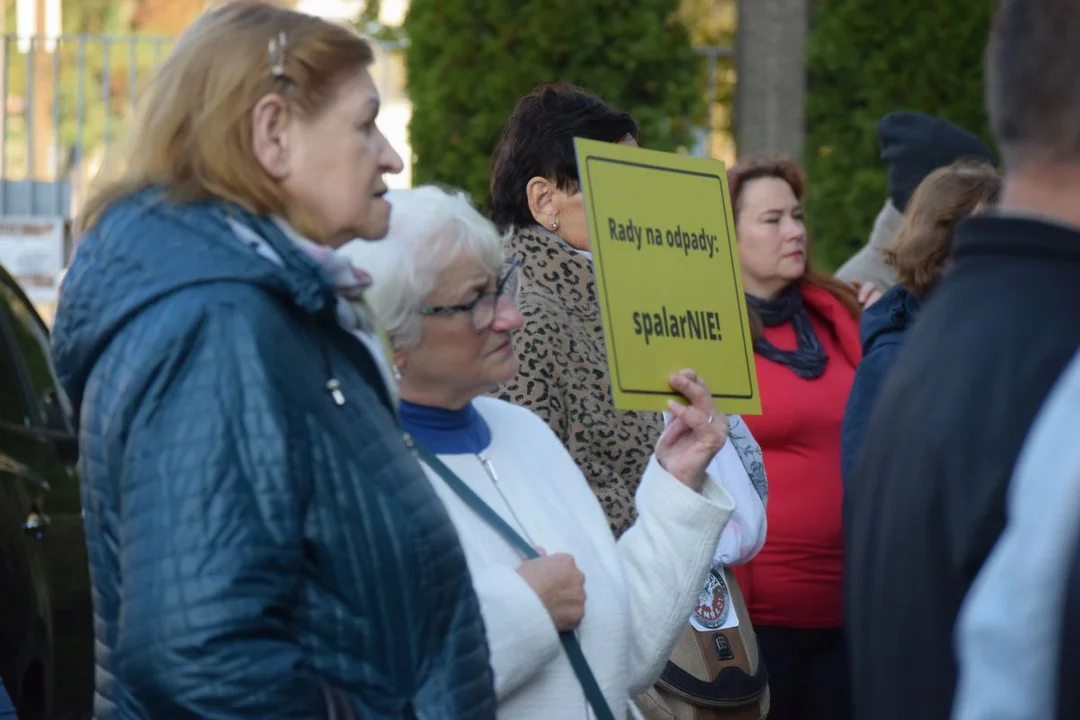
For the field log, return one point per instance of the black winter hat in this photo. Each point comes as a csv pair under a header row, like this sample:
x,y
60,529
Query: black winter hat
x,y
914,145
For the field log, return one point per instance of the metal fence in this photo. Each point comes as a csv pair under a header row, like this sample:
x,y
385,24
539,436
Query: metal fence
x,y
66,99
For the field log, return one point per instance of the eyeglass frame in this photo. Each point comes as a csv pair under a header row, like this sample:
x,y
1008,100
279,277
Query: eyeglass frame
x,y
470,307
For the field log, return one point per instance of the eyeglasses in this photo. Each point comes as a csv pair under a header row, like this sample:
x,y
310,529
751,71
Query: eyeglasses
x,y
485,307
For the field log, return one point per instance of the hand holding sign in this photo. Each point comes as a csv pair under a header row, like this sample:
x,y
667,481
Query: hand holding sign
x,y
697,432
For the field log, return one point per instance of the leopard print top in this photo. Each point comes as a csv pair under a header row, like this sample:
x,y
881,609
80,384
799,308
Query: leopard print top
x,y
563,373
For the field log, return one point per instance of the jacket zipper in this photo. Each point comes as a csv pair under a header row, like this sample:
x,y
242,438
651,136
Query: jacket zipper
x,y
489,469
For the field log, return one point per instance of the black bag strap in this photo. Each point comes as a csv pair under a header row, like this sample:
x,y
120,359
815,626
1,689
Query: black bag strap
x,y
481,508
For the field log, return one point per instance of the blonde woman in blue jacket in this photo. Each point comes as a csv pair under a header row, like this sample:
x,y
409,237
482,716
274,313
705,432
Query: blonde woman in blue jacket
x,y
262,543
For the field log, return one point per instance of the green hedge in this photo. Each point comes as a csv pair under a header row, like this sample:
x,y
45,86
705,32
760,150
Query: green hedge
x,y
469,61
865,59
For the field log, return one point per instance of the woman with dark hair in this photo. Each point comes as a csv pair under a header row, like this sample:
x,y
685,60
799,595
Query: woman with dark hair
x,y
806,348
919,255
563,371
535,193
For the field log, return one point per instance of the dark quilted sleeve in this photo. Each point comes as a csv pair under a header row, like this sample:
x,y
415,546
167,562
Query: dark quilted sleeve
x,y
210,531
869,377
541,383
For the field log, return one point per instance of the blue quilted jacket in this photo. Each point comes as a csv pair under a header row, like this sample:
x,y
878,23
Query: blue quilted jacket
x,y
257,549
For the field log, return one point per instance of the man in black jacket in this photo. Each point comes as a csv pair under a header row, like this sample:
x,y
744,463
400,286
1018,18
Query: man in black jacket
x,y
926,500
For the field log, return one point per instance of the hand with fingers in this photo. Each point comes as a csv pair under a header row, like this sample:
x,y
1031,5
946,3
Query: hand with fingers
x,y
868,294
560,585
695,434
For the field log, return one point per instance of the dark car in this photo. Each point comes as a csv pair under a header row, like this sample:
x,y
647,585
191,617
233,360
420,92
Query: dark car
x,y
46,638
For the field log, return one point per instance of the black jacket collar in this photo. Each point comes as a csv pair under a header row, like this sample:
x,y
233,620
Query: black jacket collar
x,y
1030,237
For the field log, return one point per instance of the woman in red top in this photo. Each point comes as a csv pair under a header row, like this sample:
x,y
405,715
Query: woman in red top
x,y
806,344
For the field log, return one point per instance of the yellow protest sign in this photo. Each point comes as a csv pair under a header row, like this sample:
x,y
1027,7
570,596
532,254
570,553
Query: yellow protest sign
x,y
667,275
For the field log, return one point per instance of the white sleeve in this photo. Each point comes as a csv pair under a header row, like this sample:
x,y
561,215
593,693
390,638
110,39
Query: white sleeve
x,y
520,633
665,556
744,535
1008,632
739,469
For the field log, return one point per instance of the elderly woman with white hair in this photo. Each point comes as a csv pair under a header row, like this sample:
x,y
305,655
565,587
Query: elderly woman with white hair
x,y
545,564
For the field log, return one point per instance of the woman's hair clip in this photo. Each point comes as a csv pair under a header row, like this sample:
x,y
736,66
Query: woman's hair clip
x,y
277,56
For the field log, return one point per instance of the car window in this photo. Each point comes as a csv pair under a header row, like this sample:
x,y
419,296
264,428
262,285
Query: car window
x,y
32,342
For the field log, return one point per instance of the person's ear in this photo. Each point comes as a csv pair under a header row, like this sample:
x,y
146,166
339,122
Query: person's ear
x,y
543,203
269,134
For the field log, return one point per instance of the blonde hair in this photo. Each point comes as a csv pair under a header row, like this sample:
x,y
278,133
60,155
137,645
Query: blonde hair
x,y
192,129
947,196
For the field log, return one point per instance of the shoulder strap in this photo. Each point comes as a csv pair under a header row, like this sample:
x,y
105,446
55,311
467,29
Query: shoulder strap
x,y
481,508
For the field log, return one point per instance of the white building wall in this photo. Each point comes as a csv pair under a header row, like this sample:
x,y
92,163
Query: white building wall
x,y
332,9
392,12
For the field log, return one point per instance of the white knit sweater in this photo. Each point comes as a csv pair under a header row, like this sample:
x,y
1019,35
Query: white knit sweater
x,y
639,590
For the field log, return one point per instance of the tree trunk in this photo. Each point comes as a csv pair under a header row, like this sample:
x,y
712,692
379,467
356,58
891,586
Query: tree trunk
x,y
770,56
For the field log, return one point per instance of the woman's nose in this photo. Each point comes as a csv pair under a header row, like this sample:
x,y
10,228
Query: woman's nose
x,y
793,229
389,159
507,316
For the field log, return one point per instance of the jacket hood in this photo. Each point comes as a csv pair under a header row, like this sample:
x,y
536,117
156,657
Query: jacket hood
x,y
145,248
888,318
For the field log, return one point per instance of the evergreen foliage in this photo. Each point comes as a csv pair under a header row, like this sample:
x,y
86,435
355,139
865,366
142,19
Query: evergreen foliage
x,y
865,59
470,60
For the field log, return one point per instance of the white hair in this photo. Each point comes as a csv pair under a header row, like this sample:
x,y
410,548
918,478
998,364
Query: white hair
x,y
429,227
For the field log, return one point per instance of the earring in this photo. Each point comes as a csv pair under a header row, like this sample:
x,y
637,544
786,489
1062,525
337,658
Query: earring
x,y
397,373
555,224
